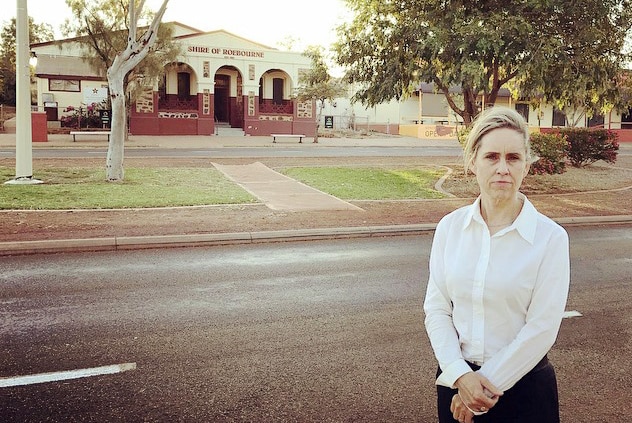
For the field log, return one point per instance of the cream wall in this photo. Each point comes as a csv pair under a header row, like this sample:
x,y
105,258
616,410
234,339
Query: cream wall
x,y
65,99
211,47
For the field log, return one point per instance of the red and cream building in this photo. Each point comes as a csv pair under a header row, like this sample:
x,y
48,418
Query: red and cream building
x,y
222,80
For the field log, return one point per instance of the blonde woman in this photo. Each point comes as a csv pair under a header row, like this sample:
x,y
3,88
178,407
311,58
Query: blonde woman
x,y
499,279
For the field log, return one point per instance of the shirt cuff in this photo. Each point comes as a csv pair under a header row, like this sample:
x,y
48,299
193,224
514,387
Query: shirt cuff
x,y
450,374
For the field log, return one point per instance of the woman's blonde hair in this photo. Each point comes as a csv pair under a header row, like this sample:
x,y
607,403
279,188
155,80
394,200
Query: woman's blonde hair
x,y
495,118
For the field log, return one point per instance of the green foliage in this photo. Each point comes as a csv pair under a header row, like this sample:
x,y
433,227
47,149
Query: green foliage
x,y
569,52
83,117
462,133
101,27
317,83
583,55
370,183
37,33
551,152
586,146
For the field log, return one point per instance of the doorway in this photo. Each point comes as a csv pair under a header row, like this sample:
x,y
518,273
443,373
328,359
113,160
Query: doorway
x,y
222,98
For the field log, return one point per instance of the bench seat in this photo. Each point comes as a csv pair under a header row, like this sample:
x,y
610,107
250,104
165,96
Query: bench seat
x,y
299,136
75,133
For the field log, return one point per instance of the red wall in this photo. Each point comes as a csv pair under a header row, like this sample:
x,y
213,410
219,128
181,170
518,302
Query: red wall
x,y
151,124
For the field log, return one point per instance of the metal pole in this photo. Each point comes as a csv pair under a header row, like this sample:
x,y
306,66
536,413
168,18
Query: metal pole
x,y
23,131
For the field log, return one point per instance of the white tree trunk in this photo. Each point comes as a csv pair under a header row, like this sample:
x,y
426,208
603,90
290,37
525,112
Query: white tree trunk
x,y
137,49
114,161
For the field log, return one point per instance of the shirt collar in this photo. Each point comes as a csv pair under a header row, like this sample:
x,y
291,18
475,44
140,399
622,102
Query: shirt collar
x,y
525,223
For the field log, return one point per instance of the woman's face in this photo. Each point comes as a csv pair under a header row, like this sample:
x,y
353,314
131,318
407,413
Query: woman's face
x,y
500,164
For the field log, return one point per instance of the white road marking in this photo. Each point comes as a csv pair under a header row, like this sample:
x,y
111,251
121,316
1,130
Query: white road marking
x,y
6,382
572,313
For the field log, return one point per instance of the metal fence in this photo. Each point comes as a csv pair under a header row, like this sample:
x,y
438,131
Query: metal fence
x,y
344,122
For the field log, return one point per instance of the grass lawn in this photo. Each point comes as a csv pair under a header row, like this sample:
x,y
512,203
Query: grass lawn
x,y
350,183
86,188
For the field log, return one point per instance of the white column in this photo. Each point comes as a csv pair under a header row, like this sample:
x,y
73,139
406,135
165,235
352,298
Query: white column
x,y
23,131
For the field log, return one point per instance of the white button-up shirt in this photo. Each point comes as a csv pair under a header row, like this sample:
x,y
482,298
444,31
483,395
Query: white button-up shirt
x,y
496,301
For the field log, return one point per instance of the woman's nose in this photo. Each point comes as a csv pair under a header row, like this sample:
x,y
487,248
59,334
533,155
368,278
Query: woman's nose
x,y
502,169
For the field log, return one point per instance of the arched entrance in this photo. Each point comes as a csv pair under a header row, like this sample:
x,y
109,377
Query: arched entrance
x,y
228,98
177,90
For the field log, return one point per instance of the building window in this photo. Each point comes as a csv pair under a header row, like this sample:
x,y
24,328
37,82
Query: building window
x,y
523,109
277,90
626,120
596,121
71,85
559,118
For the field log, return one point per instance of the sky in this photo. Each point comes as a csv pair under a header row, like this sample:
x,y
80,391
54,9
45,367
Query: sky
x,y
268,22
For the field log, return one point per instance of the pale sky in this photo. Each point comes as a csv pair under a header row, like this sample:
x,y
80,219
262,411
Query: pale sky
x,y
268,22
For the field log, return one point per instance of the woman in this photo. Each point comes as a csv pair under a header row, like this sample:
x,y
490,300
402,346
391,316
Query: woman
x,y
499,278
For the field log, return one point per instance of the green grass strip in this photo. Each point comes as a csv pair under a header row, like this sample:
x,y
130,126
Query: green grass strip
x,y
351,183
86,188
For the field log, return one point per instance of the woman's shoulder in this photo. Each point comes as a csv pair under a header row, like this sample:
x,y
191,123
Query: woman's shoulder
x,y
458,215
550,226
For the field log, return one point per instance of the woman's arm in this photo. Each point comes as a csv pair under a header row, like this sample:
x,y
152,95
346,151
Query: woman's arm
x,y
543,318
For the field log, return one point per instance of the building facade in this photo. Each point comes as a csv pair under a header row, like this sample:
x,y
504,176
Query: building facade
x,y
221,81
426,114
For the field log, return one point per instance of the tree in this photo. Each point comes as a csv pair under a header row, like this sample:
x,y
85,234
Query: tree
x,y
134,56
318,84
482,46
581,66
37,33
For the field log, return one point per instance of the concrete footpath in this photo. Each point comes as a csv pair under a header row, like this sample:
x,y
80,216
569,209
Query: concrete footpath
x,y
277,191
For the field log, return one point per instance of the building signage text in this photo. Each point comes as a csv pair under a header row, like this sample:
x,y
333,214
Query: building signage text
x,y
224,51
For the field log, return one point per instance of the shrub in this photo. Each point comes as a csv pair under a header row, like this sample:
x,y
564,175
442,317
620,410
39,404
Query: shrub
x,y
551,152
586,146
87,117
461,134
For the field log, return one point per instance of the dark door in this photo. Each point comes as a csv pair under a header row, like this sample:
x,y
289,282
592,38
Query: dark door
x,y
222,98
184,85
277,90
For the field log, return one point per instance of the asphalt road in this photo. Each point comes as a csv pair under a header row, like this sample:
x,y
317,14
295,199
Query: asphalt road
x,y
327,331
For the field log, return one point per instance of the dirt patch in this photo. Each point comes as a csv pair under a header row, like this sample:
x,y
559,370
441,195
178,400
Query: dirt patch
x,y
598,190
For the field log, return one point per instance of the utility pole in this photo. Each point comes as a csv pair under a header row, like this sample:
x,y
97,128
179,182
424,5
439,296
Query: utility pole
x,y
23,130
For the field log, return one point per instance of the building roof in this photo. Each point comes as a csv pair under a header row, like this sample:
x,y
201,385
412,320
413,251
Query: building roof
x,y
48,64
426,87
222,33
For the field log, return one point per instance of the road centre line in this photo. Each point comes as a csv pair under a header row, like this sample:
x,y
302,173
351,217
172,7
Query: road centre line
x,y
571,313
6,382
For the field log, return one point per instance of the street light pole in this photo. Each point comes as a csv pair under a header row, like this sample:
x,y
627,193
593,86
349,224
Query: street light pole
x,y
23,131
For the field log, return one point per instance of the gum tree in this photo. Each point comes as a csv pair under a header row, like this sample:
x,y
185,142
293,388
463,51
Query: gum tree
x,y
116,39
318,84
390,47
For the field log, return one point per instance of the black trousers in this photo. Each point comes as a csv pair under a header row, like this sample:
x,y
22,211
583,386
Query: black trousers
x,y
533,399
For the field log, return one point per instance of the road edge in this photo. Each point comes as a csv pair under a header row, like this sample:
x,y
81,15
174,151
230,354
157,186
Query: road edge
x,y
119,243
